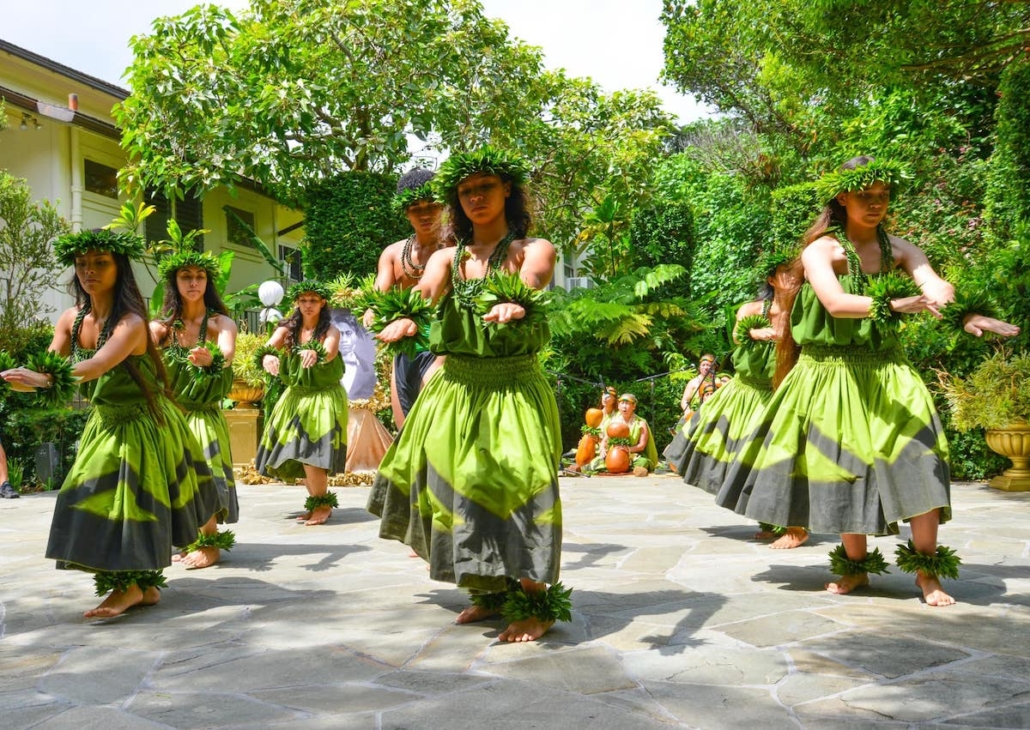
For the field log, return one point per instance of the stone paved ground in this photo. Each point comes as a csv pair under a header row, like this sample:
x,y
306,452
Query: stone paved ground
x,y
680,620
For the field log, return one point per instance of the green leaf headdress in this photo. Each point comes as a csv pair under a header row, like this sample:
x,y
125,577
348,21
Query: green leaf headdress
x,y
771,260
70,245
490,160
200,259
315,287
889,172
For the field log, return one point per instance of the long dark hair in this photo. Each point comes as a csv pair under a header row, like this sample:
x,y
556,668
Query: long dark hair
x,y
171,305
516,212
293,323
128,300
833,216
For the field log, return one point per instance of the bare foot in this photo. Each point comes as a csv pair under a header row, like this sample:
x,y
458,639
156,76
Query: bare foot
x,y
413,554
764,535
151,597
848,583
178,557
474,613
792,538
203,557
933,593
319,516
529,629
304,517
117,602
640,471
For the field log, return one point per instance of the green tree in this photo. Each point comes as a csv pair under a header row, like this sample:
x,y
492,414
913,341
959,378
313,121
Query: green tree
x,y
27,264
290,92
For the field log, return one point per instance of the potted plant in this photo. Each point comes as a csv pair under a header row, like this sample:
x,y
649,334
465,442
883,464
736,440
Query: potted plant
x,y
996,398
248,385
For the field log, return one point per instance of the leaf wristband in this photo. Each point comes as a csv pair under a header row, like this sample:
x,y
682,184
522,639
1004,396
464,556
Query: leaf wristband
x,y
62,385
954,315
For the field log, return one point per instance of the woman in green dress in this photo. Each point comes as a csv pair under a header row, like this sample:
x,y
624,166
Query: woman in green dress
x,y
471,484
851,442
139,484
713,437
198,340
306,434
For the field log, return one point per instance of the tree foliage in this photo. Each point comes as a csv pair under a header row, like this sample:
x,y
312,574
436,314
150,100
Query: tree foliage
x,y
27,263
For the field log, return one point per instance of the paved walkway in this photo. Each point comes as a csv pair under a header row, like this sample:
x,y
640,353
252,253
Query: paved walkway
x,y
680,620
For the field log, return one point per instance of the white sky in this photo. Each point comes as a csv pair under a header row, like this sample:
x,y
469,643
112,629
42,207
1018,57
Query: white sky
x,y
618,43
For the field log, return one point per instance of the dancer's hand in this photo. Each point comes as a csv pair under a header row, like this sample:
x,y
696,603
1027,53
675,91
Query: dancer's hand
x,y
271,364
200,356
308,358
765,334
505,312
24,380
977,324
915,305
398,330
368,318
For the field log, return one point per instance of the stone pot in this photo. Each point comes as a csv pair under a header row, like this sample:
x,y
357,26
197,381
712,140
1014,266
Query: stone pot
x,y
1012,442
245,395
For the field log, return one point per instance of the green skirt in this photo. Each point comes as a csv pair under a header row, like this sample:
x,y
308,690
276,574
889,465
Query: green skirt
x,y
718,432
471,483
136,488
308,426
849,443
209,427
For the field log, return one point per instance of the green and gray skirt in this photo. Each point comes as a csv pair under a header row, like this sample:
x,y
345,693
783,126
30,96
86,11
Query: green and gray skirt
x,y
139,485
309,422
850,443
471,483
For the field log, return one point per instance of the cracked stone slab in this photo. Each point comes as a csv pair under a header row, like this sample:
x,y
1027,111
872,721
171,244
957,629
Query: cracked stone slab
x,y
96,675
207,710
926,698
704,706
709,665
430,683
324,699
782,628
1016,717
273,669
799,688
584,671
884,653
97,718
511,705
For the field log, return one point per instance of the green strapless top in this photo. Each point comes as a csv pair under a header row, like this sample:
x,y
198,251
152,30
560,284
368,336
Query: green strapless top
x,y
458,331
116,387
323,375
811,324
196,393
755,362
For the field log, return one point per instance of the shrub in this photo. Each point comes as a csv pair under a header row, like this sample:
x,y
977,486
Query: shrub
x,y
349,221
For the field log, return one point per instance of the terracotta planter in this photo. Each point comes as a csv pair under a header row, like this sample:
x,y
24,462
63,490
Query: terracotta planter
x,y
1013,443
245,395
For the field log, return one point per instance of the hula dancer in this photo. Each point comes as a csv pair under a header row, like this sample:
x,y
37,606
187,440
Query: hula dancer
x,y
712,438
198,340
691,399
401,265
139,484
472,482
306,435
851,442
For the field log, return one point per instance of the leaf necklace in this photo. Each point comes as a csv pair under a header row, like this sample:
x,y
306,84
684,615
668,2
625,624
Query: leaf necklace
x,y
466,291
